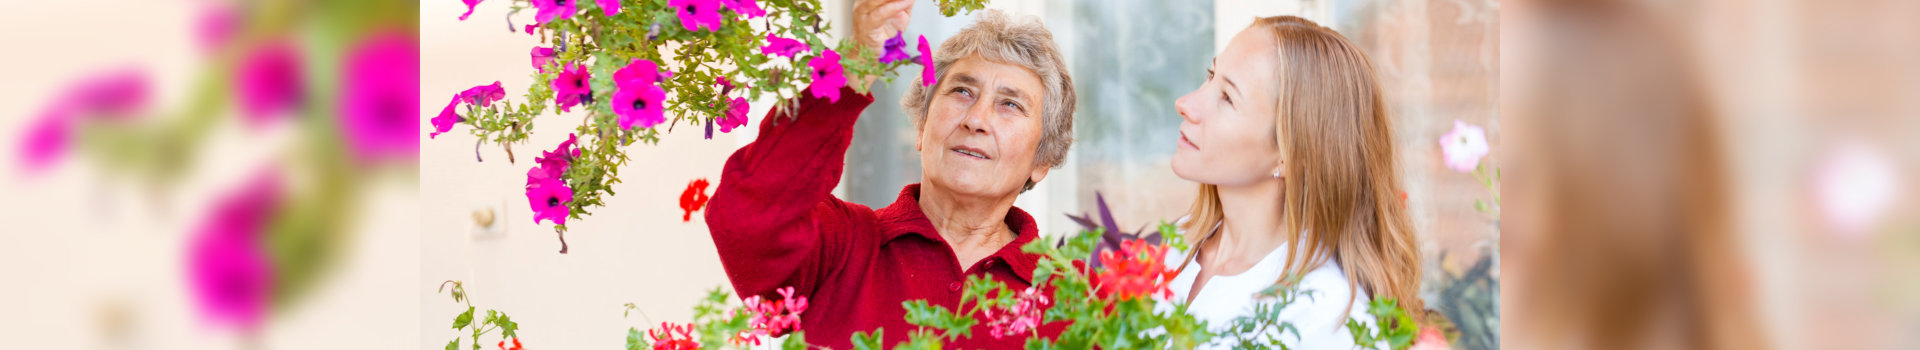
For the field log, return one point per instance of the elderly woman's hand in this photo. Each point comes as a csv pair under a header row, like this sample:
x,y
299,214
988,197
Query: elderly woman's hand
x,y
875,21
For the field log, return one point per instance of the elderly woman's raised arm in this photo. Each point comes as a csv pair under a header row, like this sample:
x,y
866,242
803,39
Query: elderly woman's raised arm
x,y
773,217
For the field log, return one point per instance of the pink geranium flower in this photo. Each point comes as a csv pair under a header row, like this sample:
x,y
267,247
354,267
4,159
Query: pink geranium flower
x,y
571,87
1021,317
784,47
1463,147
552,10
828,76
698,14
269,82
379,96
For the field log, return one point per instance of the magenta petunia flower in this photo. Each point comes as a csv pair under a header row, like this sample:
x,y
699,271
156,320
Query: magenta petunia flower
x,y
484,94
549,198
736,115
470,5
782,46
229,270
1462,147
542,56
748,8
928,75
638,99
269,82
572,87
610,7
113,95
47,140
697,14
555,162
447,118
216,26
380,94
530,27
895,49
552,9
828,76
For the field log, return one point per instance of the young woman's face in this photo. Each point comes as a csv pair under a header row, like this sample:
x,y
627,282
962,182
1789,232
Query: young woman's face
x,y
983,129
1227,134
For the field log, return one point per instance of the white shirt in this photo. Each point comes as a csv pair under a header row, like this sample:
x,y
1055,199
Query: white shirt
x,y
1320,319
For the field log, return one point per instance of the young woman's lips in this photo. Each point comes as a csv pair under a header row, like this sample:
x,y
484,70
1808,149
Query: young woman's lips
x,y
1186,142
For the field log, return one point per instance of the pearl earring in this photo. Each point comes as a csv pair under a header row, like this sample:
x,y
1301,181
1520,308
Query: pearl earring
x,y
1276,174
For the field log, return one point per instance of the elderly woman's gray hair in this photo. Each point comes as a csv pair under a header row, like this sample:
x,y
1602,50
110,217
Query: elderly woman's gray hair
x,y
1023,42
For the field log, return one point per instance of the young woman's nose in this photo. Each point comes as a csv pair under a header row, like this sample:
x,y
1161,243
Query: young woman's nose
x,y
1184,105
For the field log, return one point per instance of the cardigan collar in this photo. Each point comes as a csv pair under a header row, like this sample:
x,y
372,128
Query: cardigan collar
x,y
905,218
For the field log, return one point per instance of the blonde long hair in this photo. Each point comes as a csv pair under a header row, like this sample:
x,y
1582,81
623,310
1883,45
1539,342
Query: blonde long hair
x,y
1341,193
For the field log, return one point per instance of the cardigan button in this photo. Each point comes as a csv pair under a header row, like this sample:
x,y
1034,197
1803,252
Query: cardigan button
x,y
955,286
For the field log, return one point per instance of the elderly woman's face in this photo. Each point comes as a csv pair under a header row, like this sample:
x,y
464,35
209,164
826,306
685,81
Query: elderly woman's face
x,y
1227,136
983,129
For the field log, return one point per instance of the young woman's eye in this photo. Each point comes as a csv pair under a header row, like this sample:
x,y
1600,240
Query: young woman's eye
x,y
1229,99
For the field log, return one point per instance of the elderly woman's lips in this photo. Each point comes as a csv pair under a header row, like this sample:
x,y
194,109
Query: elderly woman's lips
x,y
971,152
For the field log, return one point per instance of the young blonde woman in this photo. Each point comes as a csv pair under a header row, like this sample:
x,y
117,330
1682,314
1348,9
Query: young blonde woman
x,y
1291,144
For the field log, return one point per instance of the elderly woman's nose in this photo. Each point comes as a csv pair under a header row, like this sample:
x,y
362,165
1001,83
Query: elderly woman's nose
x,y
975,119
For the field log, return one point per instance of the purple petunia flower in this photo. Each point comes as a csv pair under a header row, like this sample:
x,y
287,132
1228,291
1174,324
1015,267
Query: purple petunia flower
x,y
895,49
572,88
736,115
552,9
748,8
828,76
269,82
928,75
638,99
782,46
229,271
610,7
549,198
447,118
470,5
542,56
697,14
379,95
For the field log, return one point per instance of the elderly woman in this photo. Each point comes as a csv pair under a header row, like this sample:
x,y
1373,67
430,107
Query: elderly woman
x,y
998,119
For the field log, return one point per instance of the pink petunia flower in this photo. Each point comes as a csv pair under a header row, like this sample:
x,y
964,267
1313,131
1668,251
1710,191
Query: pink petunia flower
x,y
736,115
484,94
216,26
554,163
928,75
447,118
228,268
552,10
571,87
1463,147
783,47
113,95
549,198
895,49
542,56
609,7
269,82
828,76
698,14
379,96
638,99
470,5
749,8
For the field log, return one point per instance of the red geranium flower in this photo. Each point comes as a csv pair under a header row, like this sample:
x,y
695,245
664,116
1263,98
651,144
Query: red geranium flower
x,y
1136,270
693,199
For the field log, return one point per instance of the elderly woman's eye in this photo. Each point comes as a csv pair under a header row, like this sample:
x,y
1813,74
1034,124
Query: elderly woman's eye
x,y
1014,105
961,90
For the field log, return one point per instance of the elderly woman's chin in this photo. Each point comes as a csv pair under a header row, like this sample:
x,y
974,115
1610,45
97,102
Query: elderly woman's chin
x,y
970,176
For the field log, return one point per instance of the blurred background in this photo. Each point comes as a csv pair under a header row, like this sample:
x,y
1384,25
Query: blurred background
x,y
209,174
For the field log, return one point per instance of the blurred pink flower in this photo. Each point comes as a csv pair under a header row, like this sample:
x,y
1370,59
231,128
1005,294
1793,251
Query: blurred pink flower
x,y
46,140
1463,146
552,9
269,83
380,96
1854,186
470,5
895,49
784,47
1021,317
215,26
698,14
828,76
572,88
541,58
114,95
736,115
638,98
928,75
229,270
610,7
1430,339
771,318
748,8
